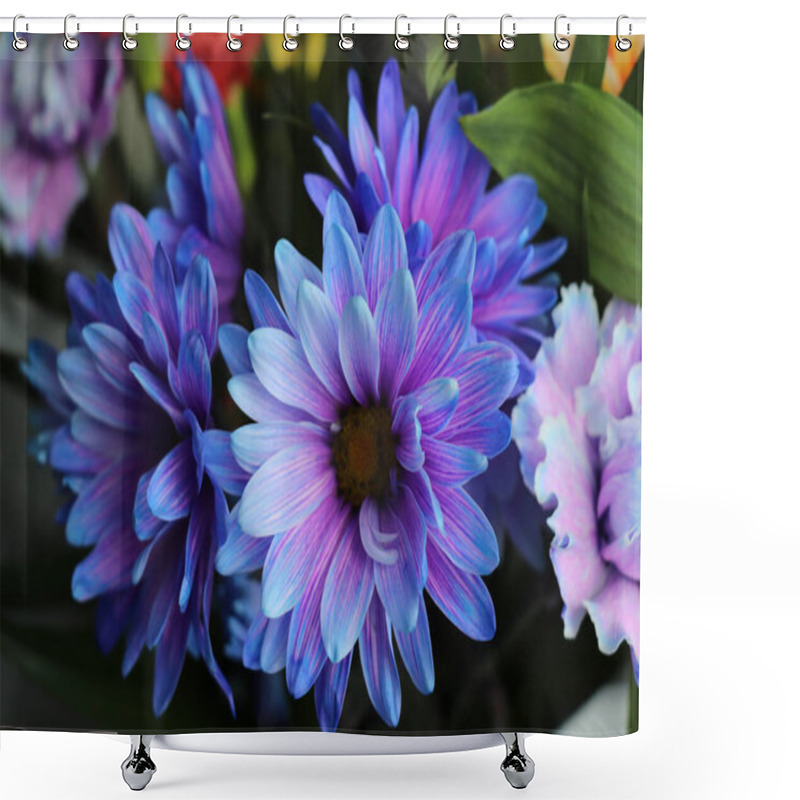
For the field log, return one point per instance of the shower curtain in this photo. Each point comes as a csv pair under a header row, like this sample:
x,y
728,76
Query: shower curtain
x,y
321,385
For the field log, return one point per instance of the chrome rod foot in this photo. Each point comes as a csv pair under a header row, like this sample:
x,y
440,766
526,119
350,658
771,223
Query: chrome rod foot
x,y
517,766
138,768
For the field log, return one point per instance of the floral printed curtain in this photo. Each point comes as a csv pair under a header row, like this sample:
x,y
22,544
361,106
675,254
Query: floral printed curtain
x,y
321,385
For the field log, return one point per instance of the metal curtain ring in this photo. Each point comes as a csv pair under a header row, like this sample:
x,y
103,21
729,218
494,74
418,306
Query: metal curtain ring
x,y
345,42
507,42
127,42
289,42
19,44
559,42
623,45
451,42
181,41
401,42
233,44
70,42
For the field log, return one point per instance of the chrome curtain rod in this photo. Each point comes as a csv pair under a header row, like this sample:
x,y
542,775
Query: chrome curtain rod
x,y
461,26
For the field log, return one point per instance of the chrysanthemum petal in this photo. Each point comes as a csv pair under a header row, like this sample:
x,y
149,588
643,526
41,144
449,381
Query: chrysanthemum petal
x,y
233,345
615,614
240,553
254,400
467,537
170,655
342,272
199,305
173,486
166,302
286,489
405,170
416,651
292,267
281,366
107,568
155,343
443,326
253,444
305,653
489,435
391,111
362,142
378,664
384,253
346,596
407,431
130,242
112,353
396,320
329,692
159,393
318,329
452,260
134,298
450,464
462,597
358,350
294,554
220,463
264,307
377,542
399,585
338,212
437,402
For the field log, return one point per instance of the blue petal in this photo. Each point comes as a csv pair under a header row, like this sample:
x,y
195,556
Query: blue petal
x,y
107,568
134,298
166,302
400,584
449,464
545,254
362,143
220,464
489,435
159,393
146,524
329,691
170,131
384,253
391,111
318,329
240,553
437,401
281,366
170,655
82,299
173,486
86,387
199,302
254,400
397,321
194,369
233,344
155,343
264,307
130,242
292,268
305,654
330,132
113,355
69,455
462,597
198,542
415,649
453,259
319,190
342,273
405,171
467,538
346,596
272,657
338,212
358,350
378,664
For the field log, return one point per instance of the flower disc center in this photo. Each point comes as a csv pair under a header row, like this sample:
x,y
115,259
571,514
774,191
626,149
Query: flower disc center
x,y
363,453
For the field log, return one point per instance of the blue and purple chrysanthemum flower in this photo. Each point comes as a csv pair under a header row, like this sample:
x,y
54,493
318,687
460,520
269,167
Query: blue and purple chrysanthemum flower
x,y
205,212
138,449
372,409
56,115
579,428
437,190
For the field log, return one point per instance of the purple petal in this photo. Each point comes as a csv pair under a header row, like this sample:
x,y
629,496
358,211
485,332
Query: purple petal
x,y
449,464
281,366
407,431
254,400
391,111
253,444
384,253
396,320
416,651
405,170
378,664
233,344
376,542
358,350
130,242
362,143
198,542
318,329
155,343
329,691
240,553
107,568
135,299
220,463
146,524
292,268
453,259
173,486
170,655
504,211
467,537
437,402
400,584
319,190
194,369
443,326
199,307
286,489
264,307
305,653
346,596
86,387
490,435
171,132
462,597
113,354
159,393
294,555
342,273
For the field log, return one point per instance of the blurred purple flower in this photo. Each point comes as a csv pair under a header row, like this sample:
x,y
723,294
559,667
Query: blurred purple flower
x,y
205,212
372,410
57,112
138,449
578,428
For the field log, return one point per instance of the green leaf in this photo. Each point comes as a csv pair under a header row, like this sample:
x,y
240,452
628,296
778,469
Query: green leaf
x,y
241,140
584,148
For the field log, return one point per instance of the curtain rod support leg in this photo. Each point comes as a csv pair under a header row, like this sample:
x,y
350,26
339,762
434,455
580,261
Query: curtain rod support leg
x,y
517,766
138,768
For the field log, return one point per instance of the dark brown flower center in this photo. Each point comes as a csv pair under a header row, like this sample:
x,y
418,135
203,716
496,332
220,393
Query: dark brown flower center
x,y
363,453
